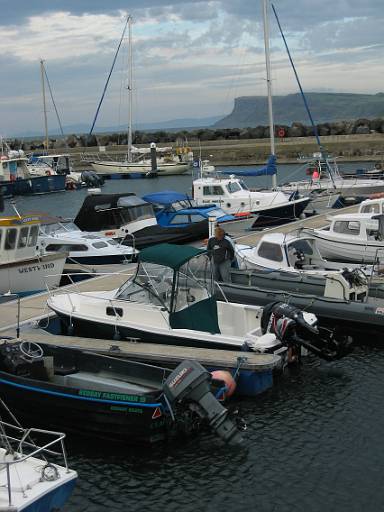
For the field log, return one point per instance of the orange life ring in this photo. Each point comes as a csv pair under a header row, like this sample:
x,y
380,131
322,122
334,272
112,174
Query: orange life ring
x,y
281,132
48,173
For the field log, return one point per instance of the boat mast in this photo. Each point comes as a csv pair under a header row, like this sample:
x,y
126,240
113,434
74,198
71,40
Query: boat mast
x,y
44,103
269,83
129,148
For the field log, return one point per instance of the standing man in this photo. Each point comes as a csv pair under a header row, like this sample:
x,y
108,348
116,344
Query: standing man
x,y
222,253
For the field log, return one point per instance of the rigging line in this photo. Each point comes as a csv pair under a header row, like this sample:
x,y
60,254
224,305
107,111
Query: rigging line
x,y
315,130
53,101
109,75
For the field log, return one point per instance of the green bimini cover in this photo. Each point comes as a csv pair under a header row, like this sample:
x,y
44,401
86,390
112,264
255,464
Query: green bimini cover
x,y
201,316
169,255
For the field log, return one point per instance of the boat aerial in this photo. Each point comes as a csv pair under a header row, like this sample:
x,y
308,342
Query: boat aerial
x,y
170,300
29,479
105,397
58,235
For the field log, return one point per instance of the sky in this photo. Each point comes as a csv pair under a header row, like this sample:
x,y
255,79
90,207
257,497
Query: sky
x,y
190,59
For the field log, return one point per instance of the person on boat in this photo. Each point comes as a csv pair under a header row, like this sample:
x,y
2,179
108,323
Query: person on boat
x,y
222,254
315,175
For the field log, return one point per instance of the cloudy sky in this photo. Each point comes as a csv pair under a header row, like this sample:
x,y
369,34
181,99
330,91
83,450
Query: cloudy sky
x,y
190,59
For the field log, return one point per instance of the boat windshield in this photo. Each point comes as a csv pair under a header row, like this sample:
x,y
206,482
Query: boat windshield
x,y
152,284
58,227
243,185
233,187
303,246
193,283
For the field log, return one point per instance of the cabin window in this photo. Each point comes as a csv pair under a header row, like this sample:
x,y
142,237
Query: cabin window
x,y
142,212
99,245
23,237
10,239
213,190
347,227
303,246
243,185
180,219
270,251
112,242
371,208
66,247
33,234
233,187
196,217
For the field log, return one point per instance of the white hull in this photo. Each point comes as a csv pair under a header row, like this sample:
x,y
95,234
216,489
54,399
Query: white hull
x,y
347,188
30,276
138,168
346,250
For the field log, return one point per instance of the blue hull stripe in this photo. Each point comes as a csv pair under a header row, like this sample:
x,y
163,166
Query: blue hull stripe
x,y
64,395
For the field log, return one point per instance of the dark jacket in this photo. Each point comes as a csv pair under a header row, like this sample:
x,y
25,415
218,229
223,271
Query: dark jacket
x,y
221,250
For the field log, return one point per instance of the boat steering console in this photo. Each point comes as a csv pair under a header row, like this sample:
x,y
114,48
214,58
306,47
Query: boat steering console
x,y
20,357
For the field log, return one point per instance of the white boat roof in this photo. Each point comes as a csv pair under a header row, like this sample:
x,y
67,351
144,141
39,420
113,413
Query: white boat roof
x,y
42,157
354,216
281,238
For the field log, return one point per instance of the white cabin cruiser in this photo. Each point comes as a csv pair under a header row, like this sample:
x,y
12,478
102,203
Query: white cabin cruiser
x,y
289,253
58,236
354,237
24,269
234,197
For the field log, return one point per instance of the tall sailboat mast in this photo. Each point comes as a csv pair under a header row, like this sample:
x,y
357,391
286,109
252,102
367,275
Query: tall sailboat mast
x,y
44,104
269,82
130,68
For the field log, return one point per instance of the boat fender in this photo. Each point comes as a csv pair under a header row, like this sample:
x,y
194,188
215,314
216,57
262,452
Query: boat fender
x,y
229,383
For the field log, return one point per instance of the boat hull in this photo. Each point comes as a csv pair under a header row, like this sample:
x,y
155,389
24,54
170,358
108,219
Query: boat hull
x,y
109,168
280,214
34,185
109,416
30,276
346,188
349,251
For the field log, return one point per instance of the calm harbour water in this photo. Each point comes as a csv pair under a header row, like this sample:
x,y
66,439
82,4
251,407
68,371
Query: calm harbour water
x,y
314,442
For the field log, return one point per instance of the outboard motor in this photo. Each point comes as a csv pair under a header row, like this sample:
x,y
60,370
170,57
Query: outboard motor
x,y
91,179
190,383
295,328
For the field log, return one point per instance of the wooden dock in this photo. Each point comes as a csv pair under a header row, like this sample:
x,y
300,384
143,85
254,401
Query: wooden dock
x,y
162,355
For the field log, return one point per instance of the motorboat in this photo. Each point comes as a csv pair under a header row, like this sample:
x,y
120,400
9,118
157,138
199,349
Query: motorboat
x,y
24,269
30,478
230,193
16,179
170,300
58,235
346,301
354,237
292,252
177,209
109,398
328,177
131,220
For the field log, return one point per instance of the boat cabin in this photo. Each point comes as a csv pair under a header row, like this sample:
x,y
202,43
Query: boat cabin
x,y
13,166
176,209
372,206
115,215
54,164
363,227
281,251
18,238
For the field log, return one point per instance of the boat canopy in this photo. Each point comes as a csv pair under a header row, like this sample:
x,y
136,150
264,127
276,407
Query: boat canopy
x,y
166,197
269,170
168,255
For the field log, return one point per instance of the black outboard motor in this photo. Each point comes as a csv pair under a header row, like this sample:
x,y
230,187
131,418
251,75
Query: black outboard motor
x,y
295,328
91,179
190,383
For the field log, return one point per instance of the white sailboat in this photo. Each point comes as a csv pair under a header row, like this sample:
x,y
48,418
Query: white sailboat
x,y
137,161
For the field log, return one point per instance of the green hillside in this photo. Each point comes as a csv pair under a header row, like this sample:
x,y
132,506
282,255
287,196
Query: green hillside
x,y
325,107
